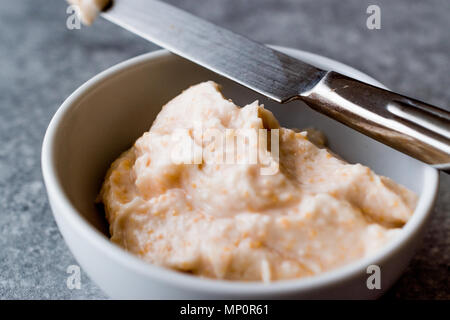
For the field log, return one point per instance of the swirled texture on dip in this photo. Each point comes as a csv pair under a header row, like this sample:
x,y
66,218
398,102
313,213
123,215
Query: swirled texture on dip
x,y
229,221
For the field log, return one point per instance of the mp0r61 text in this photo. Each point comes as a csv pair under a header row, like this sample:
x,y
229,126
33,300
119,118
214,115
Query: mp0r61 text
x,y
247,309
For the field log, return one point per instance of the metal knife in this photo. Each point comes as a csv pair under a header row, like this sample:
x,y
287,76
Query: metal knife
x,y
408,125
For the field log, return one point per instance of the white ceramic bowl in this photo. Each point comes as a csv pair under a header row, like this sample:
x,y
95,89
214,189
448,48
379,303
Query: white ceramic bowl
x,y
109,112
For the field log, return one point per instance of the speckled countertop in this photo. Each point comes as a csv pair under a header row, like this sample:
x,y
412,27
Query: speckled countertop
x,y
42,62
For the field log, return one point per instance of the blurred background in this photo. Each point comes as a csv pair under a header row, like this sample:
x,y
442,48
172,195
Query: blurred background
x,y
42,62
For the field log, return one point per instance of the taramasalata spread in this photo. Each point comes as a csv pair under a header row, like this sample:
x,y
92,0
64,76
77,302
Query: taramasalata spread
x,y
212,211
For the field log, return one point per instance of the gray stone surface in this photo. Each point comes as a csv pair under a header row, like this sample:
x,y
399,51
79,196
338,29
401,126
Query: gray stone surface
x,y
41,63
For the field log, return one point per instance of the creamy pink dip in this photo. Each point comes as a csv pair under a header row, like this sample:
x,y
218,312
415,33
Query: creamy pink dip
x,y
228,221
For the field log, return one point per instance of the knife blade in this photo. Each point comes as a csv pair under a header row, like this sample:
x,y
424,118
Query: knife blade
x,y
258,67
408,125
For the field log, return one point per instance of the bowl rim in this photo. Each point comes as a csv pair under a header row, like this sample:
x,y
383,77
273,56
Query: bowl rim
x,y
94,237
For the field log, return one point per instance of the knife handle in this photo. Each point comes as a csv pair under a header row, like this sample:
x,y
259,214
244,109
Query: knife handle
x,y
408,125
